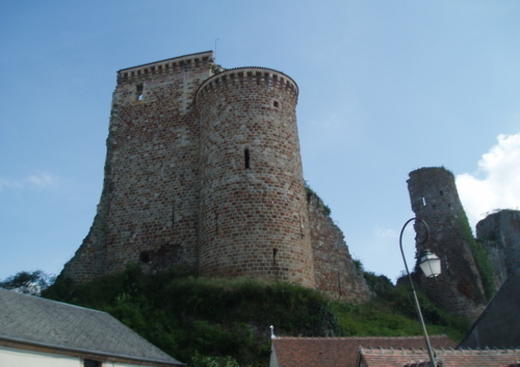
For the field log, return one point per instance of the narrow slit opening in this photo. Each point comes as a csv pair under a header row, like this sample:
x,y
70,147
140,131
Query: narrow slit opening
x,y
247,159
139,89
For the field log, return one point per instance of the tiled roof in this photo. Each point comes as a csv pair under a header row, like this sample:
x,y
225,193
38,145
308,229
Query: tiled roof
x,y
377,357
44,323
341,352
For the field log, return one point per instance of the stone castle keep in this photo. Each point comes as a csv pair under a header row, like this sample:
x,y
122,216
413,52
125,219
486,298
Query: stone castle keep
x,y
203,171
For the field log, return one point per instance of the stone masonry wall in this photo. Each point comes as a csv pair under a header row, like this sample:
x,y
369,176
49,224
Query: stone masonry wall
x,y
253,217
335,271
148,213
434,198
500,233
203,171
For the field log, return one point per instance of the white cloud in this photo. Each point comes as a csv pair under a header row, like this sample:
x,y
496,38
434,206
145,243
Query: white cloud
x,y
42,180
6,184
37,180
496,184
385,233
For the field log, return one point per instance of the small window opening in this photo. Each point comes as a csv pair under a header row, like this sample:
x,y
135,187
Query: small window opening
x,y
139,92
275,251
441,192
246,159
302,227
91,363
423,199
449,205
144,257
216,222
276,104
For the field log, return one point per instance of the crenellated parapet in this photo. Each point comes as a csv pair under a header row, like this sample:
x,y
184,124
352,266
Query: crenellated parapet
x,y
171,65
256,74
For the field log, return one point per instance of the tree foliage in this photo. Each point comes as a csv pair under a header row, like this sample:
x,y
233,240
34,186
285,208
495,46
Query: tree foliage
x,y
28,282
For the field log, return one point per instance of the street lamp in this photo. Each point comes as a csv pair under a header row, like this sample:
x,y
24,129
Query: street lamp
x,y
430,264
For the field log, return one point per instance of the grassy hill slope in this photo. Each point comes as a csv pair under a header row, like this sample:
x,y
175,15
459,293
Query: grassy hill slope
x,y
225,322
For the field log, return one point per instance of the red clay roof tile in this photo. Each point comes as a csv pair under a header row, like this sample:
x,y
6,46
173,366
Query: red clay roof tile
x,y
449,357
341,352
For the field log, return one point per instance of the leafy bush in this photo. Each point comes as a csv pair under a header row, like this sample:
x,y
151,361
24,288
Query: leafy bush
x,y
379,284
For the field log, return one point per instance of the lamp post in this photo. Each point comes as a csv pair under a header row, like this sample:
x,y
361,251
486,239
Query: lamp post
x,y
430,264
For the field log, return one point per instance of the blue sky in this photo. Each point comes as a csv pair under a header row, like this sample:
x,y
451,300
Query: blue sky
x,y
385,87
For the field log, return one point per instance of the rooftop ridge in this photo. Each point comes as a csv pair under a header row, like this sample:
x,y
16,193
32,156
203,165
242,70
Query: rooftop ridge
x,y
439,351
358,337
43,299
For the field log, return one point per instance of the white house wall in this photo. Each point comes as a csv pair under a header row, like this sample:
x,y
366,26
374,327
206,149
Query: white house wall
x,y
273,361
10,357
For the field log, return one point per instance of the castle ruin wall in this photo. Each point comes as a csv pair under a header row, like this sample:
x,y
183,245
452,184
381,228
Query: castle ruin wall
x,y
435,199
335,271
500,233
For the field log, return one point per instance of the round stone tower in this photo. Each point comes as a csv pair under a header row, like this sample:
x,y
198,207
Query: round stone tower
x,y
435,199
253,212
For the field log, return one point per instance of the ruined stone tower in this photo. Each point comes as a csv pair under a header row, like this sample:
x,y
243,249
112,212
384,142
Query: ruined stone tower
x,y
435,199
500,234
203,171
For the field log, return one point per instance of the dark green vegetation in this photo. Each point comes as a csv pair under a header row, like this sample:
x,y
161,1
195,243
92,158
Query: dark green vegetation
x,y
480,254
310,193
28,282
225,322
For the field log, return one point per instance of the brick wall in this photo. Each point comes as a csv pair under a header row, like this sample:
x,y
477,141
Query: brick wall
x,y
335,271
253,217
148,212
